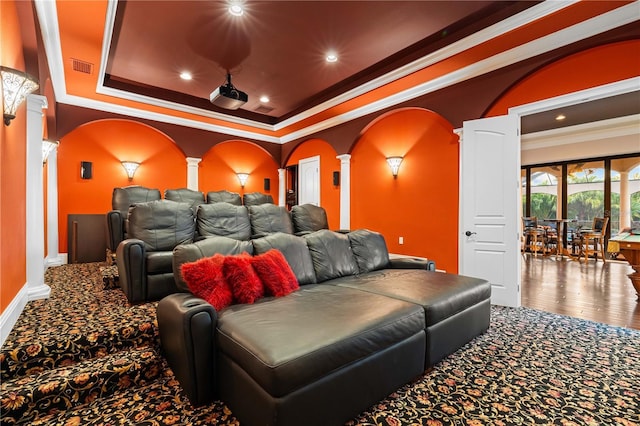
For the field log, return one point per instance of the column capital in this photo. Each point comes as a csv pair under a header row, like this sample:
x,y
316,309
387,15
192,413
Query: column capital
x,y
193,161
344,158
37,103
458,132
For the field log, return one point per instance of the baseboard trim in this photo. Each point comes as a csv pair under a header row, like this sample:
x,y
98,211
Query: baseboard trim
x,y
10,315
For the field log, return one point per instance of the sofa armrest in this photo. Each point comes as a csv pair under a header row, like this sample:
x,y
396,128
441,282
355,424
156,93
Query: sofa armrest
x,y
115,229
132,269
412,263
187,325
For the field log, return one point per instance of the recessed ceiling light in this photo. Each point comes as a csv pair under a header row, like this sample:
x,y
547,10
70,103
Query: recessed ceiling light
x,y
236,9
185,75
264,99
560,117
331,57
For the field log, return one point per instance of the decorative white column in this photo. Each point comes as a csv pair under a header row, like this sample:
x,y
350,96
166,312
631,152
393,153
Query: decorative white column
x,y
53,256
625,201
36,288
282,187
192,172
345,191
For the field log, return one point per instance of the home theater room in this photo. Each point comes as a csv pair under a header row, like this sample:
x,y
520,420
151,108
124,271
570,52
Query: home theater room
x,y
271,212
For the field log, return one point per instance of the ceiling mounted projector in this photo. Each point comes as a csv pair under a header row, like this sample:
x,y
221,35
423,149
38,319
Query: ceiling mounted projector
x,y
227,96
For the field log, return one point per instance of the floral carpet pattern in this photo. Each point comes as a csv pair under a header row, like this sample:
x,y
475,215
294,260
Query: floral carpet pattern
x,y
530,368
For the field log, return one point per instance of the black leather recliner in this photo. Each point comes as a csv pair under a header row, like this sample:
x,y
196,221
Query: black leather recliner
x,y
185,195
308,218
268,219
224,196
256,198
121,200
145,259
223,219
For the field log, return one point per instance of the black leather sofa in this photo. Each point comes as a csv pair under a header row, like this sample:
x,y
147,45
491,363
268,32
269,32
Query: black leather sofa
x,y
144,258
360,326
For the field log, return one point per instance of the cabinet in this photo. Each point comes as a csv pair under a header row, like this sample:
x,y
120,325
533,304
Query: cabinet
x,y
86,238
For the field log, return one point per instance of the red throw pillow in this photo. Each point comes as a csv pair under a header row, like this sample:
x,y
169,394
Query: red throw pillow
x,y
206,280
276,274
245,284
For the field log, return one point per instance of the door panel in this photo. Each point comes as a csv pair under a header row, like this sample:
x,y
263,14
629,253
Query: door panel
x,y
309,181
489,202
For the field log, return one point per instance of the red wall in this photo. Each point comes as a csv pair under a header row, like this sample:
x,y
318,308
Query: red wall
x,y
105,144
421,204
583,70
220,164
13,275
329,193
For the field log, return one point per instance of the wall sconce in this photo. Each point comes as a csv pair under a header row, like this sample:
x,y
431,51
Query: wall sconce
x,y
47,147
16,85
243,177
130,167
394,164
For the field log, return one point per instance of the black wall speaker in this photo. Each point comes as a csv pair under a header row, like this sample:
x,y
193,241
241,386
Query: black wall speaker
x,y
267,184
86,170
336,178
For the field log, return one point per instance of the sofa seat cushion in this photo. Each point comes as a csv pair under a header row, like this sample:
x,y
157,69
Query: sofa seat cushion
x,y
159,262
442,295
285,343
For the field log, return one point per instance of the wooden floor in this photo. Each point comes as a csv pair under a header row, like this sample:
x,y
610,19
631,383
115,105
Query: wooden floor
x,y
594,291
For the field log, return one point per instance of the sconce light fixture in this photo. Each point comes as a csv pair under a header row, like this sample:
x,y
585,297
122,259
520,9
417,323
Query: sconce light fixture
x,y
394,164
243,177
47,147
16,85
130,167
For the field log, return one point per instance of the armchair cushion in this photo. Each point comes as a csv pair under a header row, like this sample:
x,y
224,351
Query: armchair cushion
x,y
256,198
123,198
242,278
369,250
185,195
206,280
275,273
223,219
268,218
161,224
308,218
224,196
331,255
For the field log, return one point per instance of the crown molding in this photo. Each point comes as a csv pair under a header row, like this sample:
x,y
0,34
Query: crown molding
x,y
47,16
596,131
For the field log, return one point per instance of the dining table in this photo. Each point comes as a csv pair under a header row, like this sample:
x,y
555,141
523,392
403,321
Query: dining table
x,y
560,227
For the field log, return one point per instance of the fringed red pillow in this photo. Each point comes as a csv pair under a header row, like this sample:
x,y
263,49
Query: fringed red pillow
x,y
243,280
206,280
275,273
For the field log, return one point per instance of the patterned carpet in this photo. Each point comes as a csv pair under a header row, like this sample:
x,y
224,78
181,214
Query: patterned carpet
x,y
86,357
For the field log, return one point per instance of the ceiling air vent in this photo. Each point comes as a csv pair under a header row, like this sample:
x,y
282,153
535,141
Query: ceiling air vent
x,y
82,66
263,109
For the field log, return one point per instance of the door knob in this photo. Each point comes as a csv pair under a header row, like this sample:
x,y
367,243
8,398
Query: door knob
x,y
469,233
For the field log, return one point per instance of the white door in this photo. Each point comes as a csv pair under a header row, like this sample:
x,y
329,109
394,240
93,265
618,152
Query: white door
x,y
489,200
309,181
